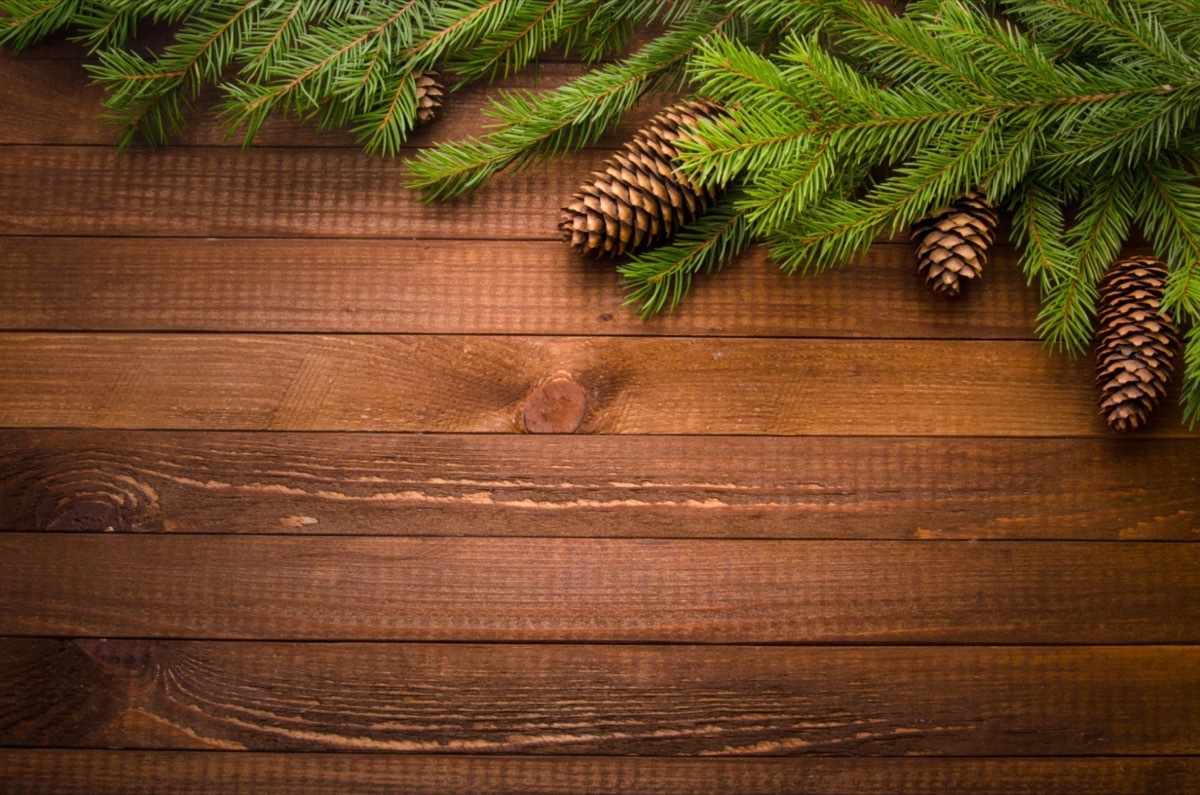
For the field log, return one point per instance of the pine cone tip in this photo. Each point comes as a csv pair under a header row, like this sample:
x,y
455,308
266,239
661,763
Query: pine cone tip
x,y
429,95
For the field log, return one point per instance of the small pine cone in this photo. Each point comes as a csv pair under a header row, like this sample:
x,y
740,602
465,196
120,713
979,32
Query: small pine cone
x,y
1136,343
638,199
429,95
952,243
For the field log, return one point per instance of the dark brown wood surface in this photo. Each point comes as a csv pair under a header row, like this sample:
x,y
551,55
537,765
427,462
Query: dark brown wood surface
x,y
604,590
482,384
469,287
555,485
602,700
220,772
308,487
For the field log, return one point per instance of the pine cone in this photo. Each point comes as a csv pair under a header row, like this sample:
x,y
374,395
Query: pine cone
x,y
952,243
1136,343
429,95
638,200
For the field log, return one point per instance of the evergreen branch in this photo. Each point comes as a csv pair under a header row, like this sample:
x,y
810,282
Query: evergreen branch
x,y
903,49
513,51
781,196
27,22
658,279
1190,394
1170,215
338,61
148,96
1101,228
534,127
846,229
1038,229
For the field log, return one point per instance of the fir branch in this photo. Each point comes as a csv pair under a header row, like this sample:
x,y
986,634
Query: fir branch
x,y
658,279
26,22
1170,215
1038,229
149,96
532,128
340,59
1101,228
1190,394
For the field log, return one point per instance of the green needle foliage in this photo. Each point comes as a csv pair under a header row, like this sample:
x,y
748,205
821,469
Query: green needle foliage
x,y
343,63
846,120
1061,102
658,279
533,127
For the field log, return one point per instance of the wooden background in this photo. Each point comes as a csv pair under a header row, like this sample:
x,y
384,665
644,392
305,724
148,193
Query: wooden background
x,y
267,493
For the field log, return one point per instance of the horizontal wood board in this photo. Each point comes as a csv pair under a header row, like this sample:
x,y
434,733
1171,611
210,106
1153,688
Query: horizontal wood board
x,y
481,384
70,772
481,287
644,700
548,589
636,486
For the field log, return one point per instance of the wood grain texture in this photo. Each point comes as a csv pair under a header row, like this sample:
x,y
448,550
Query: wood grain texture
x,y
471,287
264,192
658,701
72,772
481,384
445,484
54,102
548,589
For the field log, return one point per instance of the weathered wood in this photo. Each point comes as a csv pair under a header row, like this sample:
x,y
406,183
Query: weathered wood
x,y
70,772
660,701
547,589
482,384
474,287
441,485
263,192
55,102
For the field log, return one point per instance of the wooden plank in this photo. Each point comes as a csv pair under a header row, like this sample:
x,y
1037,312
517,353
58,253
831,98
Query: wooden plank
x,y
733,487
612,700
55,102
73,772
263,192
486,384
470,287
548,589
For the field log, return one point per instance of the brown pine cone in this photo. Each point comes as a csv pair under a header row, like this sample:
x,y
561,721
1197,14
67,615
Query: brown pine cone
x,y
1136,344
638,200
429,95
952,243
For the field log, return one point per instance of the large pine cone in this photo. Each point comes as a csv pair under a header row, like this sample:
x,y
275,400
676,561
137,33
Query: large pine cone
x,y
1136,343
952,243
638,200
429,95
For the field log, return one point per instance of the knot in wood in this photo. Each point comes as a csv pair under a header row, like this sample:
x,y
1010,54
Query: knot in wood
x,y
556,406
90,514
132,656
